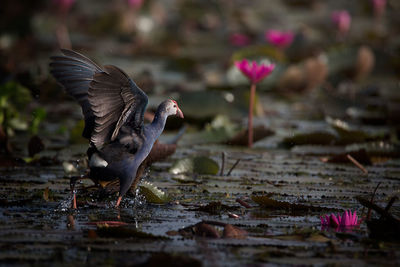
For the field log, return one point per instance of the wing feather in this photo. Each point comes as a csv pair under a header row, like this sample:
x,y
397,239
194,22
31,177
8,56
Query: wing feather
x,y
116,101
75,72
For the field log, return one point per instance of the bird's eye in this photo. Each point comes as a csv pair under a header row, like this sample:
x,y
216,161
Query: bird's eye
x,y
174,106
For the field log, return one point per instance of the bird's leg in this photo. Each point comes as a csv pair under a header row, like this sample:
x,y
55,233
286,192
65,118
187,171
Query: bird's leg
x,y
72,183
118,201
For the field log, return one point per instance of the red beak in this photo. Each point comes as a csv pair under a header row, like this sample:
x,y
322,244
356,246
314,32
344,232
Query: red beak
x,y
179,113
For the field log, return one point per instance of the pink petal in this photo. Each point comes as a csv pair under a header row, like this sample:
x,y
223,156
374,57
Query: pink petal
x,y
334,220
243,66
346,220
254,72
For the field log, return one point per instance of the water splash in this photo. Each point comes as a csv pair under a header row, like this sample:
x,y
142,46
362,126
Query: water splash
x,y
65,204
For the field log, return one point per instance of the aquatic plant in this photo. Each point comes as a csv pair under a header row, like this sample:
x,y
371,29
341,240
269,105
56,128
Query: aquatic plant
x,y
255,73
340,223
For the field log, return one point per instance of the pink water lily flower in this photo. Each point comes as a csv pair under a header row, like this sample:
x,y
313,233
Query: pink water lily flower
x,y
279,39
342,21
347,220
253,71
239,39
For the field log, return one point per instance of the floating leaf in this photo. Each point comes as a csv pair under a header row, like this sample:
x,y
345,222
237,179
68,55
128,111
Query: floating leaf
x,y
206,230
123,232
349,134
199,165
376,149
215,207
314,138
231,231
241,138
152,193
361,156
266,201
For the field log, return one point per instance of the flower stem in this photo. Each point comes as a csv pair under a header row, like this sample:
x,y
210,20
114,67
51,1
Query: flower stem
x,y
250,121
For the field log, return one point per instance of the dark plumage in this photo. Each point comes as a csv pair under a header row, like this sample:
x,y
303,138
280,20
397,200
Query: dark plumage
x,y
113,107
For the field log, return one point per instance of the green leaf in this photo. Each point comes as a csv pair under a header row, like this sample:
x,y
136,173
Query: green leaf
x,y
199,165
153,194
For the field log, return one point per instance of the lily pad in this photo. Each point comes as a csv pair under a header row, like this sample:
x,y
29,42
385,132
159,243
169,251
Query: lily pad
x,y
313,138
152,193
350,134
267,202
123,232
199,165
241,139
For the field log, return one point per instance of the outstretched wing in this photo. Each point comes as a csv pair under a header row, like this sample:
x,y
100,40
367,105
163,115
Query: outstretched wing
x,y
115,101
75,72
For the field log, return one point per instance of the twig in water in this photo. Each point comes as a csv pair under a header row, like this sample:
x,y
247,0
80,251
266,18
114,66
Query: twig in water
x,y
372,201
221,173
379,210
233,167
358,164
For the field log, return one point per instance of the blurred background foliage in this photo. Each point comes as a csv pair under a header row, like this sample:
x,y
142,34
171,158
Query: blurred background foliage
x,y
186,49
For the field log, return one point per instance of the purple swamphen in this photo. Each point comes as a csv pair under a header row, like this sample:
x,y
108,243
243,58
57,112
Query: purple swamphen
x,y
113,107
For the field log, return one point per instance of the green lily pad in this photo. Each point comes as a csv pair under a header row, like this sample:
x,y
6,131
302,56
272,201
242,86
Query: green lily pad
x,y
199,165
153,194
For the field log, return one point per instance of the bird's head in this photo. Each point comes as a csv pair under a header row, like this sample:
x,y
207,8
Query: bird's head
x,y
171,108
